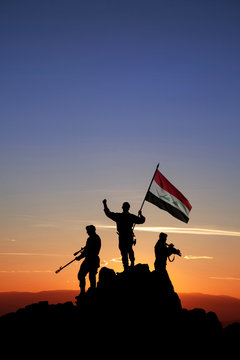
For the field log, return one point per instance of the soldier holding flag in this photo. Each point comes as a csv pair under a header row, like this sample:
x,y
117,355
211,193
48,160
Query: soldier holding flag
x,y
125,223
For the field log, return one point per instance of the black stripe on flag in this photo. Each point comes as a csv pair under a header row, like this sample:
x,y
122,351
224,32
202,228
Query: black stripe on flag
x,y
166,206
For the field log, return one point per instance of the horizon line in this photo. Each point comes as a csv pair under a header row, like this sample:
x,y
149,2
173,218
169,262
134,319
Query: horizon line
x,y
77,290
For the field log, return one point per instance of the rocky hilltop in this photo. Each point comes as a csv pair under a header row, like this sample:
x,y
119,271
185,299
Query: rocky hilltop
x,y
135,311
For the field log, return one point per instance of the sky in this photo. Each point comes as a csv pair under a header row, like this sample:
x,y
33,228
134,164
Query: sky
x,y
93,95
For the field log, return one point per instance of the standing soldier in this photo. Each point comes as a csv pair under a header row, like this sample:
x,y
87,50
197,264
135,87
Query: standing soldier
x,y
125,222
162,252
91,261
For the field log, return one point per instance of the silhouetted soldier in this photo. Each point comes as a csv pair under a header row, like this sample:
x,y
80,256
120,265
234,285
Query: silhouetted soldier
x,y
91,262
125,222
162,252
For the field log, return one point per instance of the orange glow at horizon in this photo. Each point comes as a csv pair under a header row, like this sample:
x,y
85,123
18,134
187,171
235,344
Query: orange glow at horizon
x,y
207,270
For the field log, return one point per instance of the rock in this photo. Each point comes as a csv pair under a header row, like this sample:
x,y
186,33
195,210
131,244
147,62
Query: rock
x,y
137,310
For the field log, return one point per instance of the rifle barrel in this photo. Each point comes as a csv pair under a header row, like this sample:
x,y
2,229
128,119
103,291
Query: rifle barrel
x,y
62,267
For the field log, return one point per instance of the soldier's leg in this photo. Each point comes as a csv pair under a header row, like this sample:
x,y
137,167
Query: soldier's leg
x,y
131,255
92,277
81,276
124,254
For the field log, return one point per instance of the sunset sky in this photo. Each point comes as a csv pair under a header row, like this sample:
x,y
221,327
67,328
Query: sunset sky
x,y
93,95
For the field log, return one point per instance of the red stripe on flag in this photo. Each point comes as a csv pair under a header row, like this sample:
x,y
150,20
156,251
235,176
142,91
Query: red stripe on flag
x,y
167,186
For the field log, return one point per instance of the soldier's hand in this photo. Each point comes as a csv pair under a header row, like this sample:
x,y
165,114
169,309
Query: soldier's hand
x,y
104,202
140,213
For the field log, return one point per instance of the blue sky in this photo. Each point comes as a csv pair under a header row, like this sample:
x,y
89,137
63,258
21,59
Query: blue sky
x,y
91,85
119,82
95,93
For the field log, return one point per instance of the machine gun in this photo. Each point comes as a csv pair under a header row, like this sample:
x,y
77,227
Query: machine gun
x,y
173,251
77,258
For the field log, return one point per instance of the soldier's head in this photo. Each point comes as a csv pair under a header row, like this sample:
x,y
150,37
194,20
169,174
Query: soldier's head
x,y
163,237
125,206
90,229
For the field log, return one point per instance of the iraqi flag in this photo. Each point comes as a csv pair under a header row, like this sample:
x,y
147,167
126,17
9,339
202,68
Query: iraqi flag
x,y
164,195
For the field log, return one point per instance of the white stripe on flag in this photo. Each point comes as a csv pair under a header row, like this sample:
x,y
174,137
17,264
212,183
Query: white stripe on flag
x,y
162,194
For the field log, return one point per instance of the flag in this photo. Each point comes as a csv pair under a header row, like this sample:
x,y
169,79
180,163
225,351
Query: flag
x,y
164,195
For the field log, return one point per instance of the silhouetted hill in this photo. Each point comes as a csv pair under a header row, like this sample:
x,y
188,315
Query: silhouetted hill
x,y
12,301
227,308
130,313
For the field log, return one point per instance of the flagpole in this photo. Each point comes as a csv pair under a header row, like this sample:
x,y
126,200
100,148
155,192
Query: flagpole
x,y
146,193
149,187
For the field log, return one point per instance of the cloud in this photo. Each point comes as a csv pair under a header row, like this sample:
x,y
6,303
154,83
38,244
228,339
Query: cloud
x,y
196,231
193,257
178,230
104,263
193,231
119,259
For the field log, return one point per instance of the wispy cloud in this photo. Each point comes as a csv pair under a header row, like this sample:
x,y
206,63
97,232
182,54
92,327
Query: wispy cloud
x,y
195,231
119,259
12,240
193,257
116,260
104,263
178,230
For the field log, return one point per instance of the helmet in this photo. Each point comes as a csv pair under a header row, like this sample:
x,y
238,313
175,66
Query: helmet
x,y
91,228
125,206
163,236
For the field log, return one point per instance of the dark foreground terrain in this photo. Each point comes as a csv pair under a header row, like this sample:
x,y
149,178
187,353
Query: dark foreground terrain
x,y
128,315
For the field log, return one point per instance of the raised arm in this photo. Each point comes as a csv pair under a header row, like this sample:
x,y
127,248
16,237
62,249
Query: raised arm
x,y
108,213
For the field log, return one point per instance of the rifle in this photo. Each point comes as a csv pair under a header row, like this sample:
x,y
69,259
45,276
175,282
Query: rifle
x,y
173,251
79,251
62,267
